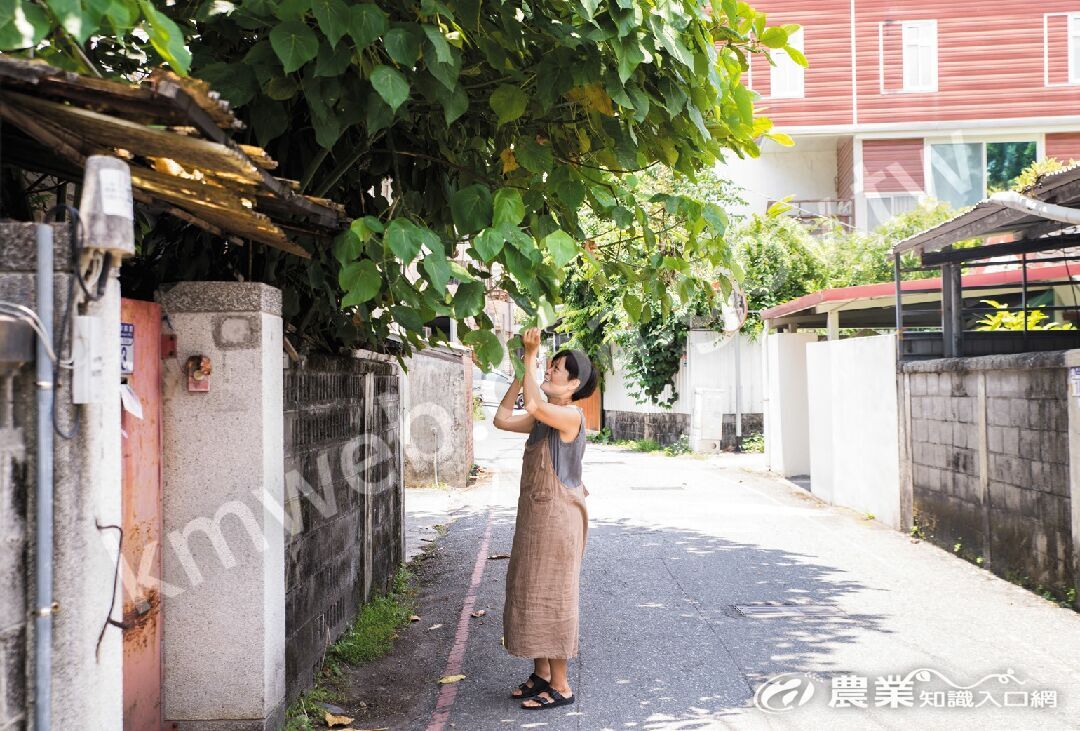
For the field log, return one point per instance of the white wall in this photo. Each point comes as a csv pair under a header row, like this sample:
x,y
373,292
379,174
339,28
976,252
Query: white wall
x,y
805,171
854,430
717,362
787,440
617,392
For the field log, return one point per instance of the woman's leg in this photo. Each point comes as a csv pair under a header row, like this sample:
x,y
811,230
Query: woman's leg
x,y
542,668
559,681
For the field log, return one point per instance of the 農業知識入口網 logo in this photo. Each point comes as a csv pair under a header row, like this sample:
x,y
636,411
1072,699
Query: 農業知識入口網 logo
x,y
922,687
784,692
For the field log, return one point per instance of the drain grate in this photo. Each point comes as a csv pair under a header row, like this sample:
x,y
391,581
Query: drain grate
x,y
771,610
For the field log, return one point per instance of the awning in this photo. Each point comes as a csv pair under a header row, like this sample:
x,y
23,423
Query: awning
x,y
874,305
175,135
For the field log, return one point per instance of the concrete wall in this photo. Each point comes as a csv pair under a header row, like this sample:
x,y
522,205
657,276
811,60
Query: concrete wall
x,y
87,679
787,422
719,366
13,567
854,428
806,171
438,417
618,389
223,477
987,461
343,491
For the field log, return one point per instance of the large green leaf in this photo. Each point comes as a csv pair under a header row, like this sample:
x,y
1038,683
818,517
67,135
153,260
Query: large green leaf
x,y
437,269
508,206
366,23
333,17
471,208
489,243
361,281
234,81
403,45
332,62
561,246
166,38
403,239
533,156
454,104
508,102
468,299
486,344
294,43
76,20
391,86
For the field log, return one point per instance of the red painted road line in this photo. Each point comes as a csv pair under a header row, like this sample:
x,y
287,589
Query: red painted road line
x,y
457,654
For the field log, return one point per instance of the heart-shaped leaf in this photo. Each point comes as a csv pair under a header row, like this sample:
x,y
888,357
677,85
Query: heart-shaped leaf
x,y
508,102
403,46
401,236
509,208
366,23
294,43
471,208
489,243
361,281
561,246
333,18
391,86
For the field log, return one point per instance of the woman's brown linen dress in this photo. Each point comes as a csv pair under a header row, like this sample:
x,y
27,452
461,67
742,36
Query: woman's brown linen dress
x,y
540,618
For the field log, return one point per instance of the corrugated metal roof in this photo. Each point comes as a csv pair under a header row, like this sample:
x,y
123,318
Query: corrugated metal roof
x,y
990,217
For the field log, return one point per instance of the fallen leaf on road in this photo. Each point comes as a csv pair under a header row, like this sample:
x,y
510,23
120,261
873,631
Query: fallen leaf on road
x,y
414,618
495,556
333,721
451,678
479,613
435,626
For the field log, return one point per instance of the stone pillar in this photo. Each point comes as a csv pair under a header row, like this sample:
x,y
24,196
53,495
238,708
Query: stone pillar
x,y
1072,364
223,472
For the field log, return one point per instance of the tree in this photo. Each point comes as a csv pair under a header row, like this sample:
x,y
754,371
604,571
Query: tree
x,y
490,127
850,257
778,261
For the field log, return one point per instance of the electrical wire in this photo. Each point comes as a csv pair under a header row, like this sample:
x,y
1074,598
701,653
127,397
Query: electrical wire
x,y
25,314
116,582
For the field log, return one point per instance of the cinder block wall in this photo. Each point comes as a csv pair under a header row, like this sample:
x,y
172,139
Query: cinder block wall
x,y
662,427
988,461
343,491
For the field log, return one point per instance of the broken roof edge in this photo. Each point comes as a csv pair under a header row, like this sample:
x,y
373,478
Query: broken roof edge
x,y
166,100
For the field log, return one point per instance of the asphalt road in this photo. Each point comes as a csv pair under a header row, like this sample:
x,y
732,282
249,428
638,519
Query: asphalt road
x,y
703,580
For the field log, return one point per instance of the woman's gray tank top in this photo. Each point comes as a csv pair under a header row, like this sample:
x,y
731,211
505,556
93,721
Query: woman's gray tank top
x,y
565,456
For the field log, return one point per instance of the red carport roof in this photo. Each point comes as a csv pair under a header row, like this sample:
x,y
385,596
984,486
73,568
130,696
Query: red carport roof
x,y
844,295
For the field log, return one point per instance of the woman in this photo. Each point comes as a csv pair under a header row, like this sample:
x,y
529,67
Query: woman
x,y
540,618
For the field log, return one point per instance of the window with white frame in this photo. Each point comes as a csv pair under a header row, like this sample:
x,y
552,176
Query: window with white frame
x,y
963,173
881,208
919,39
1074,48
786,79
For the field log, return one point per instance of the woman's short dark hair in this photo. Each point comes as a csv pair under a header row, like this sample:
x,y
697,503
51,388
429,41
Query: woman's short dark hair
x,y
575,359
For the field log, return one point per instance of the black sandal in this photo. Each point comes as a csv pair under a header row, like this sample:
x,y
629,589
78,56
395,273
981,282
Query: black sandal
x,y
557,699
539,686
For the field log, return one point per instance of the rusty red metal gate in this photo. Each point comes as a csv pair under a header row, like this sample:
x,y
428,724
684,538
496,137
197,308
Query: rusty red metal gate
x,y
142,523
